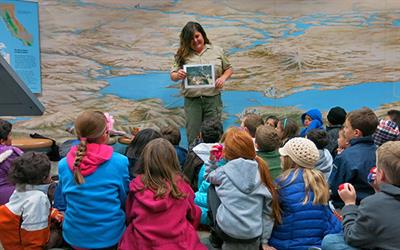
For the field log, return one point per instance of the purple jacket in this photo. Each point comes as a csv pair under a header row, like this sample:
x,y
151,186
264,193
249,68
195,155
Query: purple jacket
x,y
7,155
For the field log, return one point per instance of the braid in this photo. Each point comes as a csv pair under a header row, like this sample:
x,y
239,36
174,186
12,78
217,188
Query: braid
x,y
80,153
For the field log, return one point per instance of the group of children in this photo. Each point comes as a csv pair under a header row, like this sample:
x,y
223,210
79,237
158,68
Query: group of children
x,y
261,185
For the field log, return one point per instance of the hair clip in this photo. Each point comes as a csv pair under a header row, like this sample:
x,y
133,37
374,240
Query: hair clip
x,y
284,123
109,121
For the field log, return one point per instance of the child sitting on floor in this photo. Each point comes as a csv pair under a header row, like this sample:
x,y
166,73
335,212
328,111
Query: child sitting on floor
x,y
304,195
24,220
94,184
243,201
311,119
374,224
7,154
160,210
287,129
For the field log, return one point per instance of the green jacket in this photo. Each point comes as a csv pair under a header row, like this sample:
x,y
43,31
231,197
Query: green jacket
x,y
274,162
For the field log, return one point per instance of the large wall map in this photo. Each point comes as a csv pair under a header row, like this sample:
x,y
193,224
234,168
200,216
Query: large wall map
x,y
287,55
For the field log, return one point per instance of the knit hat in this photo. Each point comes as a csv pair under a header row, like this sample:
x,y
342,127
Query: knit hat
x,y
302,151
336,116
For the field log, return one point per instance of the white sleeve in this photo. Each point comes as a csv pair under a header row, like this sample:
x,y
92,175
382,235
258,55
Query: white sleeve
x,y
35,212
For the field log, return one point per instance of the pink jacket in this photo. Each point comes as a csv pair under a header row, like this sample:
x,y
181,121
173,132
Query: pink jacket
x,y
165,223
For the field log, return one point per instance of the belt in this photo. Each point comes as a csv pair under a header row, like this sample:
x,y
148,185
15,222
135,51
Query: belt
x,y
202,97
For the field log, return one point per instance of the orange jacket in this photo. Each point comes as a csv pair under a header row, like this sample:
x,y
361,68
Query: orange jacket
x,y
25,219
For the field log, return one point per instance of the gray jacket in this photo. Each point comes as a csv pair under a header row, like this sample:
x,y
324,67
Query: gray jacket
x,y
324,163
246,204
375,223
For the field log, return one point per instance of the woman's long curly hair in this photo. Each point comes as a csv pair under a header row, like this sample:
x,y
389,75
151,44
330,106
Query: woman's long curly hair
x,y
186,38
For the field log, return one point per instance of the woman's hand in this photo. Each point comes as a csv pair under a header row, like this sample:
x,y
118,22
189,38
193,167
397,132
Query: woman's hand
x,y
267,247
348,194
219,83
181,74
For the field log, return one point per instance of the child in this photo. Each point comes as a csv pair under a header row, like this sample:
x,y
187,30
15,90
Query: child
x,y
136,147
325,161
354,164
287,129
7,154
336,117
267,143
210,132
94,183
374,224
271,121
342,142
388,128
244,202
24,220
251,122
160,209
311,119
173,135
304,195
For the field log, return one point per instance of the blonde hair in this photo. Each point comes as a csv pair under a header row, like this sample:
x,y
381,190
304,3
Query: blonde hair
x,y
239,144
388,159
89,126
314,181
161,167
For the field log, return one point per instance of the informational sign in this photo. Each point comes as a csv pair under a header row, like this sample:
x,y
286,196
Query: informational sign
x,y
19,40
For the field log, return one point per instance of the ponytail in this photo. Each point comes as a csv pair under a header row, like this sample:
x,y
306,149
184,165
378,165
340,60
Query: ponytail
x,y
267,180
80,153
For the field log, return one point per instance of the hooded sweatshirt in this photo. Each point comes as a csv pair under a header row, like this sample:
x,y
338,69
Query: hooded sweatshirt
x,y
316,122
7,155
94,215
325,162
245,211
165,223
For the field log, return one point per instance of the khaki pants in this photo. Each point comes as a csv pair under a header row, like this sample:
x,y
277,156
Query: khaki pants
x,y
198,109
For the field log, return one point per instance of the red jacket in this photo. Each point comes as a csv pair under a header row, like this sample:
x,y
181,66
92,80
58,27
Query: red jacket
x,y
165,223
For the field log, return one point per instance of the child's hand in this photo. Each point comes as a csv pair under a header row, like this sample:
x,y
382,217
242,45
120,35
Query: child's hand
x,y
372,179
347,193
216,152
57,215
267,247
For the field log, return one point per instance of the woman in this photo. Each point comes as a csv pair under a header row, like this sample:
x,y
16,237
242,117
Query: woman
x,y
200,103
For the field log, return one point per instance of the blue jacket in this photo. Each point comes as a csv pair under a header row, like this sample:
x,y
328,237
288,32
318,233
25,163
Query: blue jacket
x,y
201,195
303,226
316,122
95,210
353,166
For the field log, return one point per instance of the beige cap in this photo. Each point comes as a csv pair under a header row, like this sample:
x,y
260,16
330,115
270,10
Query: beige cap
x,y
302,151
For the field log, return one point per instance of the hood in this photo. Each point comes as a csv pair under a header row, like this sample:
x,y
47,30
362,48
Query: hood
x,y
202,150
391,190
315,114
7,151
146,196
96,154
325,161
243,174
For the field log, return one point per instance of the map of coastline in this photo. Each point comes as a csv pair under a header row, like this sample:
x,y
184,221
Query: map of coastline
x,y
7,12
